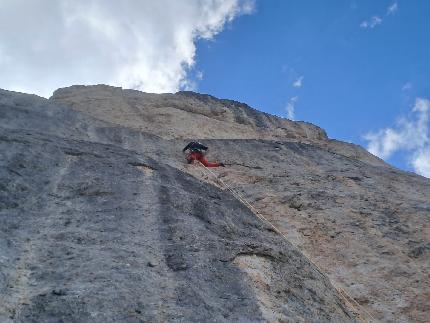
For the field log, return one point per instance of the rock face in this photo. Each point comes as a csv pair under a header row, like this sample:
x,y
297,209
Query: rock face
x,y
102,221
175,115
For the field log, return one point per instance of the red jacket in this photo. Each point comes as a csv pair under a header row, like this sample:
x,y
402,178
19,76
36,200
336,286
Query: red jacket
x,y
196,155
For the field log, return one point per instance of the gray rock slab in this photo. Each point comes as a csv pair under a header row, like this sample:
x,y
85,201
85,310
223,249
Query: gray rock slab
x,y
98,225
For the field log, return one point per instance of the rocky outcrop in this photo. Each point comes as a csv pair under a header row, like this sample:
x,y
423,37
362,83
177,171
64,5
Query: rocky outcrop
x,y
154,239
93,232
176,115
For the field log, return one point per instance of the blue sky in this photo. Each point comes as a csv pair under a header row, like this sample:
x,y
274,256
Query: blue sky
x,y
356,77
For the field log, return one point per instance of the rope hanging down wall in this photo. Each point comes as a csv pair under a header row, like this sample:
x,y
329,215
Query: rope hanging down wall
x,y
349,300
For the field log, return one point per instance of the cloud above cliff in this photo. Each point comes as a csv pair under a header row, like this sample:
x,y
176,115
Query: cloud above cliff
x,y
377,20
392,9
146,45
290,108
409,134
299,82
371,23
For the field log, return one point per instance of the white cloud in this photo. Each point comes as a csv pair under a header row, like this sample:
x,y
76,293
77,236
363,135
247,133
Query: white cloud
x,y
391,10
199,75
141,44
384,142
290,108
364,24
409,134
421,162
299,82
377,20
407,86
371,23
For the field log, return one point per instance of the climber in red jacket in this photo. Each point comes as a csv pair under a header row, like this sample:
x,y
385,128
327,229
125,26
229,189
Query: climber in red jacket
x,y
196,153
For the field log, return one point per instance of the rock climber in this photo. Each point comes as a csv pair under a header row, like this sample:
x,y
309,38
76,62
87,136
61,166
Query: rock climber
x,y
197,152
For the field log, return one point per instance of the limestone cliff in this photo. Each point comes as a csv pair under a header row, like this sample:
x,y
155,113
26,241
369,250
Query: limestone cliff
x,y
101,220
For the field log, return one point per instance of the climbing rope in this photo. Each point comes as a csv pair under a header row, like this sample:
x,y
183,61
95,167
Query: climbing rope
x,y
349,300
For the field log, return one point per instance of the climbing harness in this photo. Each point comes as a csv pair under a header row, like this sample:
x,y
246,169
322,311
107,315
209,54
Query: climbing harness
x,y
354,305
